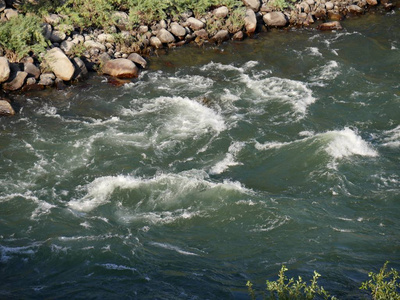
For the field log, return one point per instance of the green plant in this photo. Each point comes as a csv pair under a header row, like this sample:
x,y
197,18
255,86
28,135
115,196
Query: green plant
x,y
281,4
383,285
291,289
235,21
23,34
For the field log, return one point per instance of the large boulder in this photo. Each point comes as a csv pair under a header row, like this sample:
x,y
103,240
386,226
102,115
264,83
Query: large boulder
x,y
275,19
195,24
120,68
60,64
165,36
250,21
16,83
4,69
136,58
6,108
253,4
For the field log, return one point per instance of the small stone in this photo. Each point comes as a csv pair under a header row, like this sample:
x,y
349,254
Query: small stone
x,y
30,81
195,24
60,85
329,5
4,69
238,36
80,69
16,83
221,12
94,45
67,46
46,79
47,30
310,2
253,4
221,36
178,30
165,36
203,34
334,25
52,19
122,19
57,36
6,108
143,29
155,42
355,9
120,68
106,37
32,70
2,5
275,19
250,21
136,58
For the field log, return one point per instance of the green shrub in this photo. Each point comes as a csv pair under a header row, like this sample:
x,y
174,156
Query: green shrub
x,y
23,34
383,285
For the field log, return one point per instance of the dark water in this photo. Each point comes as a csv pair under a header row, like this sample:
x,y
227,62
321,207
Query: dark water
x,y
215,167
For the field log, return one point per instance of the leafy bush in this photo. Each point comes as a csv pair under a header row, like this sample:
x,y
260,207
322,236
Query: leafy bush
x,y
23,34
383,285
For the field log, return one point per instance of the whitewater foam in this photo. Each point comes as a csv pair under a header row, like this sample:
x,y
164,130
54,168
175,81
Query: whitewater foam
x,y
392,138
173,248
229,160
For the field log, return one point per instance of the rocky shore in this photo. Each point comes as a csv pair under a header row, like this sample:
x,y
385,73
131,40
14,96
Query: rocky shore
x,y
123,55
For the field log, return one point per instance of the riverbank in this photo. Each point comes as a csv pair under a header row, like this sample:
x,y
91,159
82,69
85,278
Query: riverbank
x,y
122,50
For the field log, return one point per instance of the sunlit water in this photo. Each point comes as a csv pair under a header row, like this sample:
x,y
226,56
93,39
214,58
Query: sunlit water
x,y
215,167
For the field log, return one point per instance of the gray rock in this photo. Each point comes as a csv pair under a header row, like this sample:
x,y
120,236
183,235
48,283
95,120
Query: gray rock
x,y
57,36
275,19
47,30
165,36
52,19
2,5
4,69
155,42
60,64
136,58
80,69
120,68
30,81
6,108
106,38
16,83
46,79
78,39
67,46
355,9
32,70
10,13
221,12
195,24
250,21
94,45
122,19
104,57
163,24
143,29
178,30
221,36
334,25
253,4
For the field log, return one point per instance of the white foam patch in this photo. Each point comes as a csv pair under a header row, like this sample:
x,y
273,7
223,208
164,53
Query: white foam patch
x,y
229,160
295,93
117,267
173,248
327,72
314,51
165,189
7,253
347,143
221,67
392,138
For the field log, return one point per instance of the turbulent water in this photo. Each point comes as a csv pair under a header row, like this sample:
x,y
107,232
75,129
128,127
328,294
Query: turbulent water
x,y
215,167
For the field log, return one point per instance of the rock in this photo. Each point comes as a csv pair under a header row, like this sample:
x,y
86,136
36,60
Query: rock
x,y
47,30
46,79
30,81
78,39
250,21
4,69
163,24
10,13
155,42
67,46
6,108
334,16
320,13
195,24
105,57
57,36
372,2
120,68
136,58
304,7
32,70
143,29
52,19
94,45
60,64
16,83
238,36
106,38
334,25
355,9
80,69
221,12
329,5
165,36
122,19
178,30
203,34
310,2
2,5
221,36
253,4
60,85
275,19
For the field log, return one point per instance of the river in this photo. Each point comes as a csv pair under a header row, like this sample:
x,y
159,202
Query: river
x,y
218,165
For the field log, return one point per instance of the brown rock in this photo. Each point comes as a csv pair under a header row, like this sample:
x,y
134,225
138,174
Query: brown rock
x,y
136,58
221,12
355,9
238,36
32,70
80,69
177,30
165,36
275,19
334,25
195,24
16,83
253,4
202,34
372,2
155,42
120,68
250,21
60,64
6,108
4,69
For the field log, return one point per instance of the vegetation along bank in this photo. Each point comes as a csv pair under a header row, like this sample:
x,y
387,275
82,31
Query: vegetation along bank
x,y
47,43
